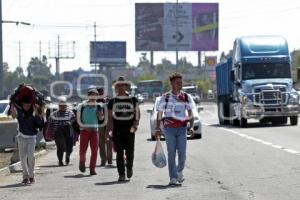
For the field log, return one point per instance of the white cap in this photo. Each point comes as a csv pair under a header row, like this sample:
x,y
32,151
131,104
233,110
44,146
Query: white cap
x,y
62,100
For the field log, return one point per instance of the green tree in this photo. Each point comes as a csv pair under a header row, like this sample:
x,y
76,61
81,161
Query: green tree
x,y
39,67
39,73
167,85
204,85
146,77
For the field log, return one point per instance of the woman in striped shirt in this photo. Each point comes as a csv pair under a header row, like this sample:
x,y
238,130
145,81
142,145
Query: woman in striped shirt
x,y
62,121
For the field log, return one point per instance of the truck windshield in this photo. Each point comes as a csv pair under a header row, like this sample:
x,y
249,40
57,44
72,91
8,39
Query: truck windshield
x,y
265,70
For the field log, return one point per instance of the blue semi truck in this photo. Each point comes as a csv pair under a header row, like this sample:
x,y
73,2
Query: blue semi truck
x,y
256,83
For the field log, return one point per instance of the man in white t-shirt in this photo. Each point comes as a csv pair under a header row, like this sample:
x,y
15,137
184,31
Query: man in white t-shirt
x,y
175,111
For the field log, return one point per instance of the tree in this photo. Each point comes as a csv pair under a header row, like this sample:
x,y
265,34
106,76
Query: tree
x,y
146,77
39,73
39,67
204,85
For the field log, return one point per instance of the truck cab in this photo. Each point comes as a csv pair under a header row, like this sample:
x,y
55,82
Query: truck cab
x,y
261,81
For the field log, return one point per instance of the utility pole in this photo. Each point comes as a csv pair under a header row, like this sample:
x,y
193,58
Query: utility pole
x,y
40,49
176,32
1,54
57,52
20,56
95,39
57,59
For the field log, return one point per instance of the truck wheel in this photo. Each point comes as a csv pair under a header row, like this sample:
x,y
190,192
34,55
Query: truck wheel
x,y
294,120
236,122
243,122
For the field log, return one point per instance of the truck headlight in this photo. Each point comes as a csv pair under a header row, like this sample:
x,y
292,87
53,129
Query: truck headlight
x,y
245,100
294,99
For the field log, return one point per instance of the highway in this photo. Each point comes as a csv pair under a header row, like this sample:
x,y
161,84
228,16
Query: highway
x,y
259,162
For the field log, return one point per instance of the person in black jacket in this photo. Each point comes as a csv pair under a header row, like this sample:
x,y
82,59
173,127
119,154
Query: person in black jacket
x,y
29,120
123,120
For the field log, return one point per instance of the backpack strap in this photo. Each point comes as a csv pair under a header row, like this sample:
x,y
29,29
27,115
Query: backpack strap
x,y
166,96
186,98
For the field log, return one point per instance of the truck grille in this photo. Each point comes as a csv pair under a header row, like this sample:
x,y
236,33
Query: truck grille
x,y
273,96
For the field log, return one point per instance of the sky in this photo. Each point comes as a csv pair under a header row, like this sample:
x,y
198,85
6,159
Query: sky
x,y
73,20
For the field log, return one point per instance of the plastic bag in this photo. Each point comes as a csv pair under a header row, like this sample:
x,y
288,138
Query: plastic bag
x,y
158,156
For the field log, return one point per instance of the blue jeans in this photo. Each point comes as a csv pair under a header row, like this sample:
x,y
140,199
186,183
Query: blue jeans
x,y
176,140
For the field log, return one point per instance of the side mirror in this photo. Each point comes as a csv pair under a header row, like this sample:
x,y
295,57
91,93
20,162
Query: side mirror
x,y
232,75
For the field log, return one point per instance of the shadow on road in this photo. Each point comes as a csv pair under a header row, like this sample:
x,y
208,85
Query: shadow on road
x,y
77,176
113,182
16,185
162,187
50,166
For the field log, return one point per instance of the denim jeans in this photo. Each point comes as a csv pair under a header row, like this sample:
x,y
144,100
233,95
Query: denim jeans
x,y
176,141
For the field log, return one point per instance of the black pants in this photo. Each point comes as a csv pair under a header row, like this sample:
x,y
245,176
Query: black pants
x,y
124,141
64,141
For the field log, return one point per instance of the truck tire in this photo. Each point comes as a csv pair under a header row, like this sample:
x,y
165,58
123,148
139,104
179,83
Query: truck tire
x,y
236,122
294,120
243,122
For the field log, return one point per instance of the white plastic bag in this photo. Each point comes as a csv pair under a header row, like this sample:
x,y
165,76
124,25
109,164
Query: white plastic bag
x,y
158,156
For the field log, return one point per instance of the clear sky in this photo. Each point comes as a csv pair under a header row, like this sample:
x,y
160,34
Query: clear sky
x,y
73,21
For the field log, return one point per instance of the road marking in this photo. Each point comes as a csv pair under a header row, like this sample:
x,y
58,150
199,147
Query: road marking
x,y
291,151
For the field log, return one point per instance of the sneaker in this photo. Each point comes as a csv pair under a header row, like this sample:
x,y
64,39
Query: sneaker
x,y
173,181
129,173
180,177
31,180
82,167
92,173
25,181
121,178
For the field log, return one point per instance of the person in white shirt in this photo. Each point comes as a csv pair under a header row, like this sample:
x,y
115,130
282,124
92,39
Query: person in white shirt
x,y
172,110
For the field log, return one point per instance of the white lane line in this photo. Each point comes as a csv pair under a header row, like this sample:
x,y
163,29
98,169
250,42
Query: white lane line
x,y
291,151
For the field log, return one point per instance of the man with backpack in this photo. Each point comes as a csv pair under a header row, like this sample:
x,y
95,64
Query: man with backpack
x,y
172,112
105,146
88,115
123,120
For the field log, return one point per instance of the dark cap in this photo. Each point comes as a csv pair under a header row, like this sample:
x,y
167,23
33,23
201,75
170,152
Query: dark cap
x,y
100,90
121,80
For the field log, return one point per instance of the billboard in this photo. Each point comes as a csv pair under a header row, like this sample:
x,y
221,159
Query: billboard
x,y
107,52
171,26
211,61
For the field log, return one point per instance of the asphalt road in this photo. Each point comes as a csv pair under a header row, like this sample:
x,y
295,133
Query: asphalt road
x,y
259,162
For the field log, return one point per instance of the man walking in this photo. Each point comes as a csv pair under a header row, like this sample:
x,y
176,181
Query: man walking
x,y
105,146
172,112
123,120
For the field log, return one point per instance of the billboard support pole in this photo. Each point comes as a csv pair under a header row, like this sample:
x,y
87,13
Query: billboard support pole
x,y
151,62
95,39
199,59
1,55
176,26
